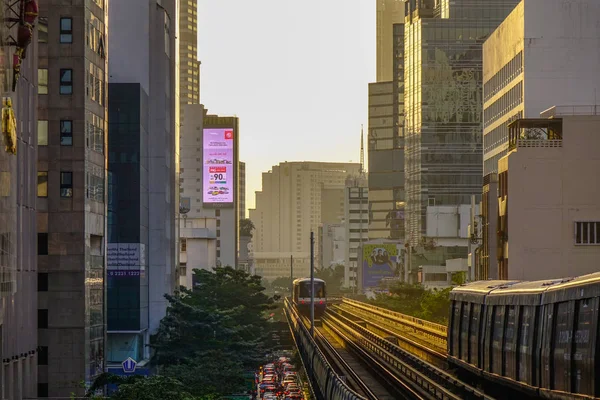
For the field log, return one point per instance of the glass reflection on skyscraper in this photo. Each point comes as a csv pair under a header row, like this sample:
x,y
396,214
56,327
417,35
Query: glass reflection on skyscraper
x,y
443,102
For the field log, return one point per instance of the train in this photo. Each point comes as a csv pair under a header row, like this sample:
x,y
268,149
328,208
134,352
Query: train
x,y
541,338
301,296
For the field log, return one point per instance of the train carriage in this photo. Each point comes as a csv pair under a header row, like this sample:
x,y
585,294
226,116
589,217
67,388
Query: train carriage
x,y
540,337
302,293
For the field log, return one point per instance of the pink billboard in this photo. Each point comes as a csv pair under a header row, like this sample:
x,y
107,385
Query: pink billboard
x,y
218,165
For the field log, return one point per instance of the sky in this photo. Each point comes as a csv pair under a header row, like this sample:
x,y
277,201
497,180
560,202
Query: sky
x,y
296,74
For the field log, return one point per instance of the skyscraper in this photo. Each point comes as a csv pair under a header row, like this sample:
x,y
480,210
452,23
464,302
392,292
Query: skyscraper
x,y
389,12
71,216
242,190
386,149
143,165
189,66
443,102
19,282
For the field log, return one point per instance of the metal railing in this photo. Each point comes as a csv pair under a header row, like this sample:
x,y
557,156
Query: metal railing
x,y
325,383
437,332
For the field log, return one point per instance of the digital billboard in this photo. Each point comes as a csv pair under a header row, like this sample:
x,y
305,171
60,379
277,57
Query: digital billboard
x,y
379,261
218,166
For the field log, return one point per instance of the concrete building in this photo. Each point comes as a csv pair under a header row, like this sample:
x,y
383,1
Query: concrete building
x,y
537,43
193,188
549,216
242,190
289,206
19,279
143,159
332,238
273,265
189,66
443,103
71,219
198,248
356,225
389,12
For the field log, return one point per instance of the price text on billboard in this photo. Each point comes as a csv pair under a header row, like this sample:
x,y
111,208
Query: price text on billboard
x,y
218,166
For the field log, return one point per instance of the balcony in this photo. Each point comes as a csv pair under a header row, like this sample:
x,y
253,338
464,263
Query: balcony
x,y
535,132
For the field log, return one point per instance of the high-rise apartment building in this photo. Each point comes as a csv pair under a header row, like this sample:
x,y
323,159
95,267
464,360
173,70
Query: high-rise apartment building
x,y
289,207
189,66
356,224
142,260
443,103
72,120
539,54
19,283
389,12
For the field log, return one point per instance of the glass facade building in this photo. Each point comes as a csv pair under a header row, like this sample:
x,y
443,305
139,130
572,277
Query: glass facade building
x,y
128,214
386,149
443,102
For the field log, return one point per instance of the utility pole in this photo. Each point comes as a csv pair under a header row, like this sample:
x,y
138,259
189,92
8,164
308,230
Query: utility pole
x,y
312,284
292,276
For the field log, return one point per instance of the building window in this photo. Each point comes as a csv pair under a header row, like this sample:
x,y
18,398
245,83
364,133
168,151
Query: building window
x,y
43,355
42,129
43,30
42,390
66,184
217,213
42,243
42,80
42,184
66,30
183,245
66,81
587,233
43,318
66,132
42,281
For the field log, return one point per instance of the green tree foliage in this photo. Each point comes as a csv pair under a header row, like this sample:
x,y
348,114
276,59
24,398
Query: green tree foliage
x,y
415,300
215,331
333,277
246,227
281,283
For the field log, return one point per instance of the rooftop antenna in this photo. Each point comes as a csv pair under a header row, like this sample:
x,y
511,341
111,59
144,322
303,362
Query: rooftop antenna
x,y
362,151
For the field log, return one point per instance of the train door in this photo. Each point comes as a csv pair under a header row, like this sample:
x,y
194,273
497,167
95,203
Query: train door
x,y
510,343
475,336
455,329
561,370
586,328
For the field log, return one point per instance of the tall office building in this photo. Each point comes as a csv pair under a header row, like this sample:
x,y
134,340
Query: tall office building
x,y
389,12
443,103
189,66
539,54
386,149
289,207
356,224
72,115
142,262
19,287
242,189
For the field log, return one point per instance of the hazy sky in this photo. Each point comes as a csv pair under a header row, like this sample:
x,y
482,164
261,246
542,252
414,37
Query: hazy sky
x,y
296,73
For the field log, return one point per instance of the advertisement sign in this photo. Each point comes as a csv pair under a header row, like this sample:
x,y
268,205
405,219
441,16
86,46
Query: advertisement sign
x,y
218,166
379,261
120,255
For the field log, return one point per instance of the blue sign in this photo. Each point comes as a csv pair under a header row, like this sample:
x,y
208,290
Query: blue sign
x,y
129,366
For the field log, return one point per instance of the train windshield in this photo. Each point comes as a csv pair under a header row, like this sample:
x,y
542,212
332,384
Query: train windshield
x,y
319,289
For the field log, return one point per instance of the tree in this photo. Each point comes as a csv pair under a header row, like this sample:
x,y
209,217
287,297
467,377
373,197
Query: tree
x,y
153,388
246,227
333,277
215,331
281,283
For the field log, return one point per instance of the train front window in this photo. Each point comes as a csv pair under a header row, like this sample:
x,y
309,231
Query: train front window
x,y
319,290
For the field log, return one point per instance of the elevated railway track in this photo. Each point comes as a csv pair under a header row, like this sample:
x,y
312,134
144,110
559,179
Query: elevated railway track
x,y
372,353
